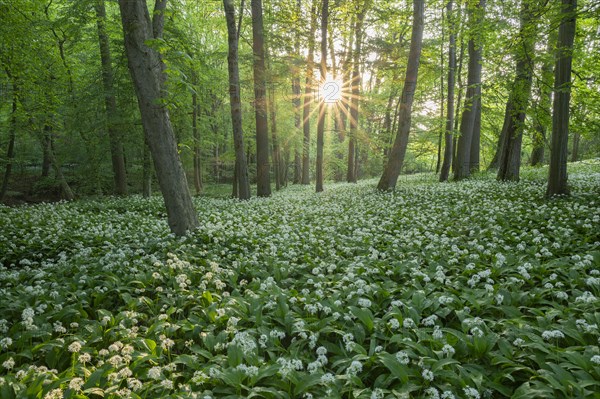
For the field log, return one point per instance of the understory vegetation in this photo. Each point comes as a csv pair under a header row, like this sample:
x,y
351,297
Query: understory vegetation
x,y
475,289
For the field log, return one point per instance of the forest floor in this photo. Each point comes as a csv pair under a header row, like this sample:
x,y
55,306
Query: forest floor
x,y
458,290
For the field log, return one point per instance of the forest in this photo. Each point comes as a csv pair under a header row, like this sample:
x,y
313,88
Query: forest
x,y
358,199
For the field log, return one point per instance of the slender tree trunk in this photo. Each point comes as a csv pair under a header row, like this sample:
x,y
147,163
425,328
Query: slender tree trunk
x,y
196,137
458,106
575,151
557,177
474,158
236,183
263,183
343,107
275,143
354,101
543,117
510,157
307,94
502,138
147,70
10,152
322,105
296,96
387,120
46,146
147,172
110,102
438,163
66,191
449,149
396,158
467,124
240,182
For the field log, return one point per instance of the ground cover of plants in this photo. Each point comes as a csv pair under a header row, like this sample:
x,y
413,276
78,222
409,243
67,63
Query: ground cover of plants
x,y
471,290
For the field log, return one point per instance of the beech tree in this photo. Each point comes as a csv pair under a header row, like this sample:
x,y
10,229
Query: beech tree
x,y
542,108
322,105
355,85
449,137
308,94
467,150
116,144
557,176
148,75
396,157
263,184
516,107
241,183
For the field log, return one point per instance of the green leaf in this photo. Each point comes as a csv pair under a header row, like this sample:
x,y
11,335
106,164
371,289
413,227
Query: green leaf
x,y
364,315
398,370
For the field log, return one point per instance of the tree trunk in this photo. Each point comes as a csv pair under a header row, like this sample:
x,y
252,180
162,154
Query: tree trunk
x,y
196,138
307,94
472,100
474,158
147,172
557,177
263,182
354,101
543,117
10,152
459,97
110,102
147,71
296,97
387,120
66,191
241,183
275,143
438,163
396,158
510,157
322,105
343,106
575,151
46,146
448,139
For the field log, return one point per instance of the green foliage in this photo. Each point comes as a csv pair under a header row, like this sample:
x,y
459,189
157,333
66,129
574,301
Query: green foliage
x,y
478,289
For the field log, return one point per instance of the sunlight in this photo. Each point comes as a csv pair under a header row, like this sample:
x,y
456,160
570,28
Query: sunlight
x,y
331,90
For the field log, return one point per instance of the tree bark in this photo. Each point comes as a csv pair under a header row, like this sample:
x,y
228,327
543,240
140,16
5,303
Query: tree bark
x,y
296,96
10,152
147,171
275,143
459,97
510,155
147,71
322,111
240,181
438,163
474,162
46,146
263,183
472,100
307,94
575,151
354,101
110,102
543,117
448,139
557,177
396,158
196,138
66,191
